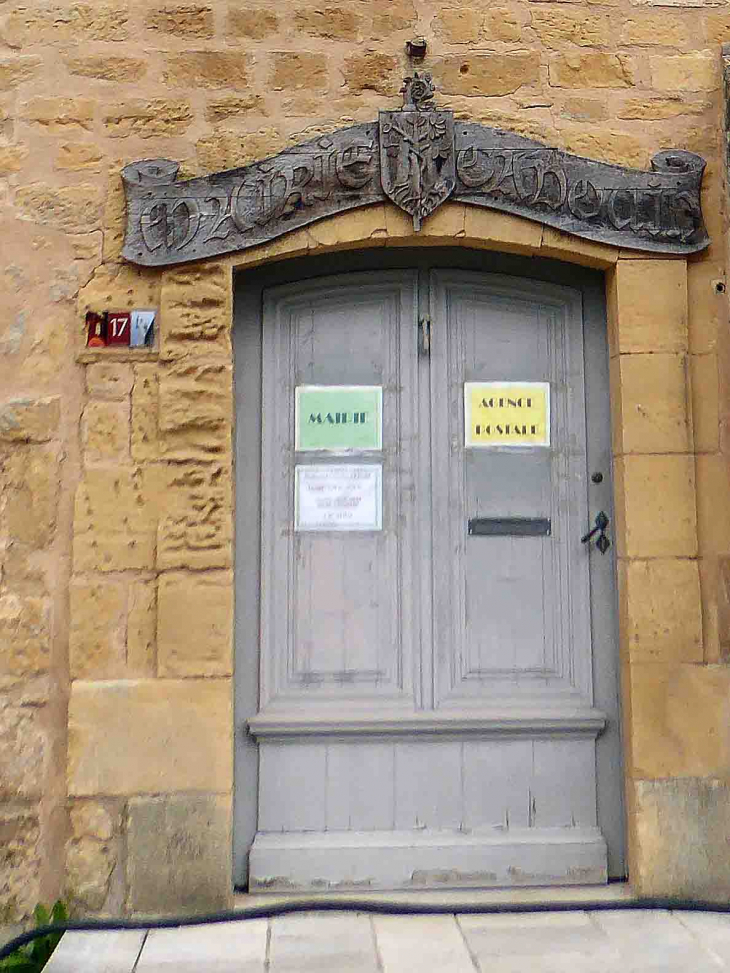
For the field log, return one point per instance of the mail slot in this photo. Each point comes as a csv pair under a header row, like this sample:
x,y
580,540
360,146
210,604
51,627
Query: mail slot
x,y
509,527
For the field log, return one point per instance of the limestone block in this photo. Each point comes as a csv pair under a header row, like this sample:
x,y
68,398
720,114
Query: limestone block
x,y
21,858
76,208
115,520
699,71
196,522
12,158
651,29
359,227
77,156
183,728
15,70
29,420
181,20
661,610
148,118
584,109
110,380
293,244
89,867
298,69
501,230
372,71
120,286
252,22
25,634
233,106
609,145
487,74
195,624
59,24
395,15
142,629
179,854
196,411
652,395
555,26
97,66
97,635
227,150
29,490
655,509
207,69
647,307
681,839
458,25
707,309
501,24
657,109
105,431
145,408
89,819
58,115
680,716
713,504
591,70
332,22
23,751
705,402
196,312
564,246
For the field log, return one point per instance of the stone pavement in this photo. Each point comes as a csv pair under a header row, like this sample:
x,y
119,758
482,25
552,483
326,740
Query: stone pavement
x,y
583,941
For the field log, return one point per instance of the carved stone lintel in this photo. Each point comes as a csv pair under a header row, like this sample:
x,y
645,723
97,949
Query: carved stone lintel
x,y
417,157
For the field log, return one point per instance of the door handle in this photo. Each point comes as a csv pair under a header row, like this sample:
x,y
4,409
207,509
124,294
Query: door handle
x,y
424,336
600,524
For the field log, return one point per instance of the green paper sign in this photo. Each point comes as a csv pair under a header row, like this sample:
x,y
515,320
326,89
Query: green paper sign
x,y
338,417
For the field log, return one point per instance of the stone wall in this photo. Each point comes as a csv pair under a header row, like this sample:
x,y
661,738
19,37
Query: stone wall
x,y
116,469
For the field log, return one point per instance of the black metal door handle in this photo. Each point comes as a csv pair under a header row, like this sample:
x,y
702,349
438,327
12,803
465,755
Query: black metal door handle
x,y
602,542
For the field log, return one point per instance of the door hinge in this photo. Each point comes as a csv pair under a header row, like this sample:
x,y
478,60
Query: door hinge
x,y
424,336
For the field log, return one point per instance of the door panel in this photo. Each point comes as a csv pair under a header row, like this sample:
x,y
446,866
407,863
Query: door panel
x,y
426,712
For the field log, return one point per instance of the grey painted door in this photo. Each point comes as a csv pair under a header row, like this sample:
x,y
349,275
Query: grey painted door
x,y
426,705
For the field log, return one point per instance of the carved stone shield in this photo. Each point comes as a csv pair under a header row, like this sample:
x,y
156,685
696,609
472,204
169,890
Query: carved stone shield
x,y
417,166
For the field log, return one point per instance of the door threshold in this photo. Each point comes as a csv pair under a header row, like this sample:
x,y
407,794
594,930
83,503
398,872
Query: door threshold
x,y
579,895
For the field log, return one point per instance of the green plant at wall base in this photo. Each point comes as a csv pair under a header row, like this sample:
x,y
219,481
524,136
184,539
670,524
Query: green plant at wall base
x,y
32,957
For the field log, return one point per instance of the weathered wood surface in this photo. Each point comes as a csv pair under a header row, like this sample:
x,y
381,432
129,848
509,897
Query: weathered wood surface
x,y
171,222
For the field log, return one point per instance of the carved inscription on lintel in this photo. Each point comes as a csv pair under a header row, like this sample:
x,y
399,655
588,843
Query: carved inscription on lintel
x,y
417,157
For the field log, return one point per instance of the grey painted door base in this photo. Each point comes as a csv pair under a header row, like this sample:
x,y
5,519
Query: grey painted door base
x,y
429,859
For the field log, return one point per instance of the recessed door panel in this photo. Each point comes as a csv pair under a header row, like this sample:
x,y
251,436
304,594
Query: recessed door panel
x,y
336,631
511,617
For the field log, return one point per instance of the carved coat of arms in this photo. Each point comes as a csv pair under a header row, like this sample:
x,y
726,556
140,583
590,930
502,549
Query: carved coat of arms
x,y
418,170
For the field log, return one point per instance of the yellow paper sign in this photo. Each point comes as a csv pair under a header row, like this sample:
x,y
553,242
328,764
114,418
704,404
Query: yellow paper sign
x,y
507,413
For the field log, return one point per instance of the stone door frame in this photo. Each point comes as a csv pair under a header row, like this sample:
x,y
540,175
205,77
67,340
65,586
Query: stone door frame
x,y
175,526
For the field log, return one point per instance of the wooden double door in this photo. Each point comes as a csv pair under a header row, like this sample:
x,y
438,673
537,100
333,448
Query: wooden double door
x,y
436,703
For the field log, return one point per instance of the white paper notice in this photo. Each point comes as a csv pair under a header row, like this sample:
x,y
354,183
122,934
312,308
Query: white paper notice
x,y
346,497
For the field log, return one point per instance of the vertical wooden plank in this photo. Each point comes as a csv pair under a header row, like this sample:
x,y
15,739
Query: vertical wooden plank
x,y
563,784
292,790
428,781
360,792
497,777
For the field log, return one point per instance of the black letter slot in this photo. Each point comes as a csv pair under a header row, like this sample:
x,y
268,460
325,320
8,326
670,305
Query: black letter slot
x,y
509,527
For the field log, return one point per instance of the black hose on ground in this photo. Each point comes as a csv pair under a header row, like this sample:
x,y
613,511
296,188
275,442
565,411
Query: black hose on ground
x,y
391,908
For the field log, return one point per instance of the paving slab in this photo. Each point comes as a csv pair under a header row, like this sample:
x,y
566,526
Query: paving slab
x,y
100,952
322,943
529,935
225,947
416,944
